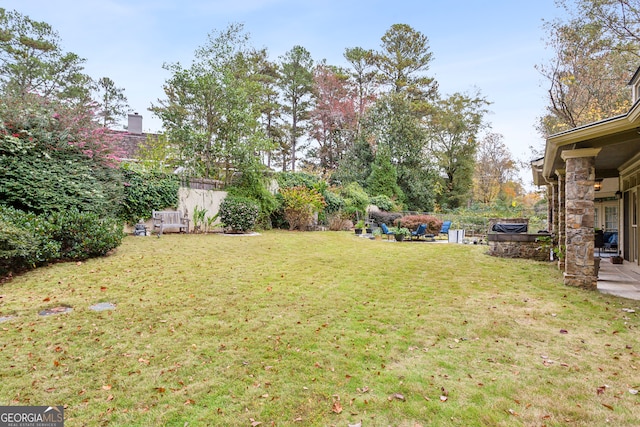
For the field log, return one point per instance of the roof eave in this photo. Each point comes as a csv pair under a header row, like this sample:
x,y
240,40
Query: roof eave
x,y
601,128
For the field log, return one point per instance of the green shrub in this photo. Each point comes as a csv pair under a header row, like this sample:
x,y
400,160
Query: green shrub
x,y
300,205
253,185
383,202
84,235
356,199
146,191
296,179
25,241
28,240
239,214
53,158
334,202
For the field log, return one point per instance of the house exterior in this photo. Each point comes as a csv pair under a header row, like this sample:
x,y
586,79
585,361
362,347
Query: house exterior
x,y
133,138
592,176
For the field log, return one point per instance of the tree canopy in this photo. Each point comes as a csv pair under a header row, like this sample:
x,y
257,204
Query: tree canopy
x,y
595,54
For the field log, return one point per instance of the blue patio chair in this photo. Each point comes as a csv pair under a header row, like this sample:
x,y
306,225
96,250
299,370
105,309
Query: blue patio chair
x,y
611,241
445,227
386,231
422,232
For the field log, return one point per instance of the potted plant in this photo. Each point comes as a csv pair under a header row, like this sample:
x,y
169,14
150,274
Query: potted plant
x,y
359,226
368,228
400,233
377,234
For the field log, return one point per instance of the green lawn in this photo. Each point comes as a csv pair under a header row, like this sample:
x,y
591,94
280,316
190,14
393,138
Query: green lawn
x,y
317,329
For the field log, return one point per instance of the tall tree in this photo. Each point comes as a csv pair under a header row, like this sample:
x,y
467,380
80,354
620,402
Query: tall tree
x,y
111,101
596,51
270,107
213,108
32,61
403,59
363,79
453,127
355,165
394,126
495,167
296,84
333,118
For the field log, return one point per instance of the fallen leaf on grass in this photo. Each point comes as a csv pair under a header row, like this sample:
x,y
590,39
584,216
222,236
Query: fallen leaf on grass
x,y
396,396
607,406
443,398
356,424
564,331
254,423
337,407
110,398
633,391
601,389
106,387
512,412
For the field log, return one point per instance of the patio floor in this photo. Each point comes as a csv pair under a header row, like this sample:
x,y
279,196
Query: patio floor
x,y
622,280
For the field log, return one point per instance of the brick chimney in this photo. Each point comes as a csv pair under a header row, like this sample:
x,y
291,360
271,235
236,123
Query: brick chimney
x,y
135,124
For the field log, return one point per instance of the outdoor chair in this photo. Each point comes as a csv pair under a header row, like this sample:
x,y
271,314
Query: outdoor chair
x,y
611,241
386,231
422,232
445,227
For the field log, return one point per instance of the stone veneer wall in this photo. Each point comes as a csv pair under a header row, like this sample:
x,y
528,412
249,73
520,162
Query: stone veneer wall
x,y
507,245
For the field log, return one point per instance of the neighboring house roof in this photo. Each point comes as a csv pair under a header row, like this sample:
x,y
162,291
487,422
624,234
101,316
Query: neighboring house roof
x,y
133,138
131,142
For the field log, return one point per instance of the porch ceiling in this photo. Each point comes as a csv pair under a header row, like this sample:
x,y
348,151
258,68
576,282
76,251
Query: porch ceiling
x,y
616,150
617,137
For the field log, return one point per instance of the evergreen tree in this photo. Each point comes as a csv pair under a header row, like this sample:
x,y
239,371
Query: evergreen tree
x,y
383,179
296,84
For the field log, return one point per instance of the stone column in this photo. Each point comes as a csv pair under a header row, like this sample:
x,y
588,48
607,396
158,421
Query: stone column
x,y
552,207
561,211
580,217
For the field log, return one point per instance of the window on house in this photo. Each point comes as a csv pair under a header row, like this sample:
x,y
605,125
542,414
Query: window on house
x,y
611,218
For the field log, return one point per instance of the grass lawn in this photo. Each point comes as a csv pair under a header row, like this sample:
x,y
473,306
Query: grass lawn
x,y
317,329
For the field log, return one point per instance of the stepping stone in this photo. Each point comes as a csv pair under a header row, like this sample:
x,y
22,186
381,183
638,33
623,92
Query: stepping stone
x,y
102,306
6,318
55,310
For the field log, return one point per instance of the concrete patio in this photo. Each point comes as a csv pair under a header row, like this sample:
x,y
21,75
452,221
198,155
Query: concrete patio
x,y
622,280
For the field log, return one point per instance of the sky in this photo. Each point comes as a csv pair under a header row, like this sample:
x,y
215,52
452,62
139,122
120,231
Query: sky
x,y
490,46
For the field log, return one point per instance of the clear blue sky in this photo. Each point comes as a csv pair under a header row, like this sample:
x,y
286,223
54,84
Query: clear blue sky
x,y
490,45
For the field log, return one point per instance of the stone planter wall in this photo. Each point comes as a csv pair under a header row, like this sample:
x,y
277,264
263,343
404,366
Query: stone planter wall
x,y
508,245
